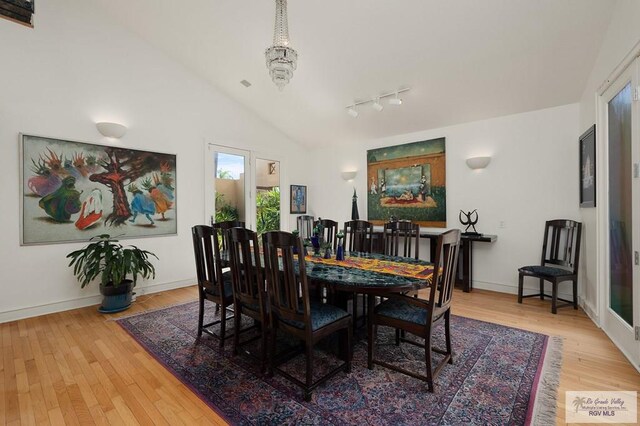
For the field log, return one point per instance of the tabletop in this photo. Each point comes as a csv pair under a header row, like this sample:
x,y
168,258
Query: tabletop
x,y
343,276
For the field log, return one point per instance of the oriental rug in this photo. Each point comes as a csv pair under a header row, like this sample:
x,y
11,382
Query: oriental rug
x,y
500,376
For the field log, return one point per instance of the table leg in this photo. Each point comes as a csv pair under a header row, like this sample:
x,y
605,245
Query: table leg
x,y
433,246
467,265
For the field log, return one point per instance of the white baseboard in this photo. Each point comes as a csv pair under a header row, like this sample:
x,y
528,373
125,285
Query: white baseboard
x,y
590,311
82,302
511,289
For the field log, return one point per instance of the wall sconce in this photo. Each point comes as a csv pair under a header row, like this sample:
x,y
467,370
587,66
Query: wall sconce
x,y
349,175
111,130
476,163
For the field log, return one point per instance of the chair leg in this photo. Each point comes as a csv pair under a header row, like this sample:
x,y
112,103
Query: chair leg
x,y
223,324
309,378
236,327
272,348
447,334
371,337
427,353
201,316
554,298
520,285
575,294
397,337
541,289
347,344
263,347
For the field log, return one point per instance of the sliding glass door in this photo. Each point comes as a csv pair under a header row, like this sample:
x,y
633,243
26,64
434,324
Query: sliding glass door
x,y
620,120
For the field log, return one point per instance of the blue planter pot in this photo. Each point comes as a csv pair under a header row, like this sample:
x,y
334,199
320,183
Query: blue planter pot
x,y
116,298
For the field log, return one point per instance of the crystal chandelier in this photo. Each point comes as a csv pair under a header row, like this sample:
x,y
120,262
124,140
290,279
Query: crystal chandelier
x,y
281,59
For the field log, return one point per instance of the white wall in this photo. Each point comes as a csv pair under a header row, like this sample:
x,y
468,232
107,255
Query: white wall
x,y
531,178
76,68
622,34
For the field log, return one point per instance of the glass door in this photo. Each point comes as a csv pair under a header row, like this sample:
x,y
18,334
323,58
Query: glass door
x,y
620,131
228,178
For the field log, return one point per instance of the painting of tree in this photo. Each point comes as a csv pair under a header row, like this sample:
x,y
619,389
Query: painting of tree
x,y
72,191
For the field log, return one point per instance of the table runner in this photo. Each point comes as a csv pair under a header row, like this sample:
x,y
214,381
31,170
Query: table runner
x,y
411,270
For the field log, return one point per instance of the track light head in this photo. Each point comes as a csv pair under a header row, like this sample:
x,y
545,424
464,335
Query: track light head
x,y
352,111
395,101
377,105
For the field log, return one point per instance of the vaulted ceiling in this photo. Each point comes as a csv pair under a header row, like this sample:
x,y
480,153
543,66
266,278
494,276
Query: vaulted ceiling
x,y
464,60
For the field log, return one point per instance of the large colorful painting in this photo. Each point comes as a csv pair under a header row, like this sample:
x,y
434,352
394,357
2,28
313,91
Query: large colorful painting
x,y
72,191
408,182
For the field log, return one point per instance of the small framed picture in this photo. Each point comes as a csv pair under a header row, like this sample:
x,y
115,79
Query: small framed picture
x,y
298,199
588,168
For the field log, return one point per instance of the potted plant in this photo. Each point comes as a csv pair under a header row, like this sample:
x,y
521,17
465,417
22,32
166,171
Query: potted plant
x,y
118,267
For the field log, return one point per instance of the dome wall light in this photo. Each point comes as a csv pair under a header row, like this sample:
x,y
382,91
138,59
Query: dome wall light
x,y
111,130
350,175
377,105
352,111
476,163
395,101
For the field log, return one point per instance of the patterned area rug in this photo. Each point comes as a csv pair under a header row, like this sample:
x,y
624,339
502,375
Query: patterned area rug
x,y
500,376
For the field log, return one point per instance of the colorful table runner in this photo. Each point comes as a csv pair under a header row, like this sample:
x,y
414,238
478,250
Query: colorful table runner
x,y
411,270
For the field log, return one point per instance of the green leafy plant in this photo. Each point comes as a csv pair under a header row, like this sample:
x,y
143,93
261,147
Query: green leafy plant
x,y
106,257
268,210
225,211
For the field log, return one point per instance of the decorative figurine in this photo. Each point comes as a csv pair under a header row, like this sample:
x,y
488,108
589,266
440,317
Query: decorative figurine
x,y
354,206
469,222
340,249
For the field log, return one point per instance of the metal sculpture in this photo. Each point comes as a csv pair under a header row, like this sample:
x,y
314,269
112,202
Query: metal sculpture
x,y
469,222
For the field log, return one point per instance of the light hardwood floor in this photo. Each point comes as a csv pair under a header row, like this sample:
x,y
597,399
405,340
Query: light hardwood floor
x,y
79,367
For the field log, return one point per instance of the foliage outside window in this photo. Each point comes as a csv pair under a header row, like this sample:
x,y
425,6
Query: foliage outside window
x,y
224,210
268,210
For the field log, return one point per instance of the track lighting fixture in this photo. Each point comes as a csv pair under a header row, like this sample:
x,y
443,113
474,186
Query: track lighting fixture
x,y
395,101
375,102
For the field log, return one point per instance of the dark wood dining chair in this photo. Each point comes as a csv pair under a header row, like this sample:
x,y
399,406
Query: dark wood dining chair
x,y
304,225
559,262
358,235
417,316
249,291
330,231
402,238
223,227
294,313
213,284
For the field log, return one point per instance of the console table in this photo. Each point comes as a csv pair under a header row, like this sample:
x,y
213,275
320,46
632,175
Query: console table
x,y
464,275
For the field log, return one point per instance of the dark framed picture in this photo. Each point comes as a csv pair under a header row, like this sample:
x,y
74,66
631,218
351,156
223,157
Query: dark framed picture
x,y
298,199
73,191
588,168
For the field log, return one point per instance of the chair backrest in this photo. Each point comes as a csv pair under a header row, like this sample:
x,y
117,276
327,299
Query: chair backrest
x,y
445,266
330,231
209,271
222,228
402,238
304,225
358,235
288,290
561,244
246,268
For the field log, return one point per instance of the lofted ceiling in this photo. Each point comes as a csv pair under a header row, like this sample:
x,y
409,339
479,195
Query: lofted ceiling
x,y
464,60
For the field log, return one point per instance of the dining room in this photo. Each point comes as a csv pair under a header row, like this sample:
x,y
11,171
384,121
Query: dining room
x,y
320,212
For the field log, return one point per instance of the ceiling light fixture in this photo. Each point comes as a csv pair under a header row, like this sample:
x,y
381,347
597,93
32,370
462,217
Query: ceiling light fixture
x,y
375,102
395,101
111,130
281,59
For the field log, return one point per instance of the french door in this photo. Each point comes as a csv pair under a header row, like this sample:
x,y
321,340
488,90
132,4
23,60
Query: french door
x,y
228,181
619,121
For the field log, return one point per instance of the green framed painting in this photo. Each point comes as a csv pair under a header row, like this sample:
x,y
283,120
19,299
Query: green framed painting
x,y
72,191
408,182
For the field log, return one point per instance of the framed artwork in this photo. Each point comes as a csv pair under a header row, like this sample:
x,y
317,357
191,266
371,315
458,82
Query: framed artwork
x,y
408,182
298,199
72,191
588,168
